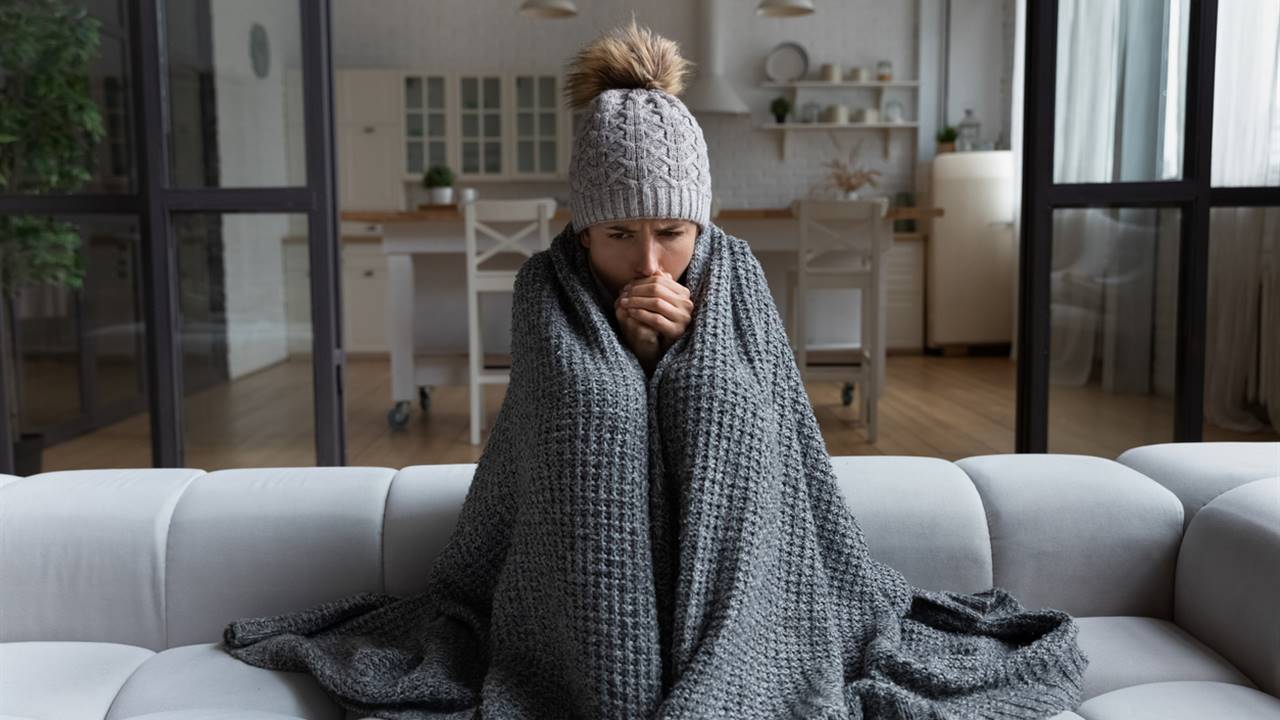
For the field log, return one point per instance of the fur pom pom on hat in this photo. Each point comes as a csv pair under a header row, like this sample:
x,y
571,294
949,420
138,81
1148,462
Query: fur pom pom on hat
x,y
639,152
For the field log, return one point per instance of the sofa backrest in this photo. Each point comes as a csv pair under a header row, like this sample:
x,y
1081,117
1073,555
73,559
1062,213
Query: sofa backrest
x,y
161,557
1080,533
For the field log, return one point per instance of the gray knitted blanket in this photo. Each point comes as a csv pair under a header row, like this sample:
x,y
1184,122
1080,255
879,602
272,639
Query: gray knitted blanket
x,y
671,546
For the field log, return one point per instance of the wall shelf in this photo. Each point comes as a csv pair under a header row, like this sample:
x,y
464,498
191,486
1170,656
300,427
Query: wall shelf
x,y
842,84
877,86
785,130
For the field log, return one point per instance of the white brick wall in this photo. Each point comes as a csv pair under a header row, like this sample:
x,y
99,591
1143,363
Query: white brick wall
x,y
746,167
252,152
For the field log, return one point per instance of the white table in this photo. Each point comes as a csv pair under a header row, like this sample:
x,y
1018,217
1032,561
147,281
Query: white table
x,y
428,232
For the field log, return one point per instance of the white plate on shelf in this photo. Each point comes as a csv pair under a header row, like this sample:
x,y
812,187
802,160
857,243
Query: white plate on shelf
x,y
787,62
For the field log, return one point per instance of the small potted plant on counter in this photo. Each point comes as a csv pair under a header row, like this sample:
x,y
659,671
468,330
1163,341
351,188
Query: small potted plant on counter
x,y
438,180
780,107
947,139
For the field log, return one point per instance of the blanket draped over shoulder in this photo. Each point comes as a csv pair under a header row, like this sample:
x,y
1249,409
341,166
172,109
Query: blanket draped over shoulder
x,y
671,545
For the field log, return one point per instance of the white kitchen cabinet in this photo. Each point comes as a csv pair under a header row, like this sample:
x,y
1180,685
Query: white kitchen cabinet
x,y
350,228
537,129
490,126
427,103
364,298
904,303
369,140
367,96
481,140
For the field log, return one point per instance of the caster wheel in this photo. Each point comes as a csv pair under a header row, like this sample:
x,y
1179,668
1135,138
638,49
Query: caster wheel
x,y
424,399
398,416
846,394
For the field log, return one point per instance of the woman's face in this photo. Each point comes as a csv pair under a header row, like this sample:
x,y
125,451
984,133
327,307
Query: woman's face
x,y
625,250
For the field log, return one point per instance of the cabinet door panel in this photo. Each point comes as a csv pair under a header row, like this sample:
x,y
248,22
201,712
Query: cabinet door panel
x,y
369,167
904,302
364,302
367,96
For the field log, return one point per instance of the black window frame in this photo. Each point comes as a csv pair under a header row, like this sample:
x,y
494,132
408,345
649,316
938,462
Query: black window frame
x,y
1192,195
154,199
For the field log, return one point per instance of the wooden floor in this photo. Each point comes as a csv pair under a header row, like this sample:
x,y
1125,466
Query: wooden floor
x,y
949,407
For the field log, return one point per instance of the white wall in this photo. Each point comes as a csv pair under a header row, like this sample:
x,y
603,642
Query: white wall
x,y
980,65
746,167
252,143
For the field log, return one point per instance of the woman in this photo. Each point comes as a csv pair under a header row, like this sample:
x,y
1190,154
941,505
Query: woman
x,y
638,225
654,528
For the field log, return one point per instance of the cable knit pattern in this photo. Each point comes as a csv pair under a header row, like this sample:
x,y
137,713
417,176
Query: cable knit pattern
x,y
639,154
666,547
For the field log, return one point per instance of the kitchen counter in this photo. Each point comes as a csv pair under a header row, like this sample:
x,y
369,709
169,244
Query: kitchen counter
x,y
451,213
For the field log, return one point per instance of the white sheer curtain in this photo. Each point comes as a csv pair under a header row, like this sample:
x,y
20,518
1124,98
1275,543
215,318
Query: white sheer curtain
x,y
1242,361
1110,121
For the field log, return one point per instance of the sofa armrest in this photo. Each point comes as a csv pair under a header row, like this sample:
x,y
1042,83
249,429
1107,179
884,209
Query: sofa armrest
x,y
1198,472
1228,580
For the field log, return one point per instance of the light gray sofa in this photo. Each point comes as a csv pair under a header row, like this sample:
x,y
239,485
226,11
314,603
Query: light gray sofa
x,y
115,585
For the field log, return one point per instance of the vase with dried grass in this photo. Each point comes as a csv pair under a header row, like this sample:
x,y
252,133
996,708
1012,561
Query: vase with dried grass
x,y
849,176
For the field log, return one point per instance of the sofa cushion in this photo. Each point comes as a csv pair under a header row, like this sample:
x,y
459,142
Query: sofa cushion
x,y
1182,700
1126,651
1079,533
64,679
204,678
1199,472
263,541
5,480
82,554
422,511
1228,585
921,516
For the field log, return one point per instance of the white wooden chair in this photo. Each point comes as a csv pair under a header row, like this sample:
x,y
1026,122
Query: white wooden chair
x,y
842,245
492,264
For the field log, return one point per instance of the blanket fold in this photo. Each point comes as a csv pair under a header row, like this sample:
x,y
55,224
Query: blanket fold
x,y
670,546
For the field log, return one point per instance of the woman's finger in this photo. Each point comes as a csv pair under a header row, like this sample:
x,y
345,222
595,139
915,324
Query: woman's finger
x,y
663,280
659,305
658,322
662,291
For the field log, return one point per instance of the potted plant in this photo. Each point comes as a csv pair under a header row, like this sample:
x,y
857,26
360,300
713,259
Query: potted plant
x,y
48,127
947,139
780,107
439,181
848,176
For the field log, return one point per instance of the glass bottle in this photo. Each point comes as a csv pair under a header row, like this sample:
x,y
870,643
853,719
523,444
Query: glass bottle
x,y
968,132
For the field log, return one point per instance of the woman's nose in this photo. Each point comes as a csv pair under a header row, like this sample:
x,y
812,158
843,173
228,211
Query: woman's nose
x,y
649,260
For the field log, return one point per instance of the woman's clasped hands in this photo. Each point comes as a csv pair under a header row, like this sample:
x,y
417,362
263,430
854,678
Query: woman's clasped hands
x,y
653,313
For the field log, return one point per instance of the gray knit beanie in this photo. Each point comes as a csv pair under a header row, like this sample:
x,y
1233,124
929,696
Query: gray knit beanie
x,y
639,153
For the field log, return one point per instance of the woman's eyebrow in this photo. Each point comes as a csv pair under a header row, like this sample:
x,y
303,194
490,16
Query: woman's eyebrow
x,y
665,228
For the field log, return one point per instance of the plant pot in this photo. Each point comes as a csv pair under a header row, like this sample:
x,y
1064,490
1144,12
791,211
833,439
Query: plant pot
x,y
780,119
27,452
946,147
850,194
441,195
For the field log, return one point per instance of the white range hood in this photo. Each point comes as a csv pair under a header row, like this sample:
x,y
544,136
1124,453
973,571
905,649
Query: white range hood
x,y
710,91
